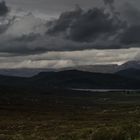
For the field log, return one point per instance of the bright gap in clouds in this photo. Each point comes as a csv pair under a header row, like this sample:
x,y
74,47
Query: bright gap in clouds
x,y
70,59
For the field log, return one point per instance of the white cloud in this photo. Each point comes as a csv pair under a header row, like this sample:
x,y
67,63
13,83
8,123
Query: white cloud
x,y
69,59
26,25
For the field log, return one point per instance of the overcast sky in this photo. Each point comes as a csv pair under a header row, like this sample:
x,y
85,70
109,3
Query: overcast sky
x,y
52,6
64,33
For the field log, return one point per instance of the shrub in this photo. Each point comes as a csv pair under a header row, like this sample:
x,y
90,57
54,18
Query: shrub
x,y
109,134
67,137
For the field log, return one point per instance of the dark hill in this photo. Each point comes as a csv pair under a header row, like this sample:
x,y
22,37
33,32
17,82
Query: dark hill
x,y
80,79
130,73
71,79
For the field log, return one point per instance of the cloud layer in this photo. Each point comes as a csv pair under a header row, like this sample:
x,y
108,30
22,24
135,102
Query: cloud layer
x,y
73,30
76,37
69,58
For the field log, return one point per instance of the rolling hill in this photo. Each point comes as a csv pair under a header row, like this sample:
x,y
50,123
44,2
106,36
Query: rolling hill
x,y
72,79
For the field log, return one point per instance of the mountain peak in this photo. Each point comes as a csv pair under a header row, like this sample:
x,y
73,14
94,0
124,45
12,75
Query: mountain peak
x,y
135,64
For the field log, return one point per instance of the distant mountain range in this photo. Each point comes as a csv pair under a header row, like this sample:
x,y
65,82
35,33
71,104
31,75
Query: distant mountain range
x,y
85,80
74,79
130,73
126,76
95,68
23,72
107,68
88,68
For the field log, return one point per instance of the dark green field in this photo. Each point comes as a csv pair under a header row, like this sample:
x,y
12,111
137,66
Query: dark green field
x,y
70,115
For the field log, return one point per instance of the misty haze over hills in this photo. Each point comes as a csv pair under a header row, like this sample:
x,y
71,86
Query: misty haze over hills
x,y
111,68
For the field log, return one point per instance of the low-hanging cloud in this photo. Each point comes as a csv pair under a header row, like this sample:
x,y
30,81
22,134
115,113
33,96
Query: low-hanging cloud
x,y
69,58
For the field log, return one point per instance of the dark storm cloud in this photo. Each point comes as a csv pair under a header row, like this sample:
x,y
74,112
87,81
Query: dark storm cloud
x,y
27,38
108,1
3,8
51,7
74,30
29,45
111,4
5,26
131,35
131,13
80,25
4,23
93,24
64,22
